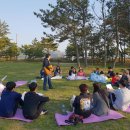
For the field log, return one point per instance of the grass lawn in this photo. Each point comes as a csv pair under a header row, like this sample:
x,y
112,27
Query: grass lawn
x,y
60,95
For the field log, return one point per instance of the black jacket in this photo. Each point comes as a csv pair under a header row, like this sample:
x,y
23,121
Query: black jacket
x,y
31,103
77,107
46,62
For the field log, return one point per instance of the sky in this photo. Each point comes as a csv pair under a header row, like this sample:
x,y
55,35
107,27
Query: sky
x,y
18,14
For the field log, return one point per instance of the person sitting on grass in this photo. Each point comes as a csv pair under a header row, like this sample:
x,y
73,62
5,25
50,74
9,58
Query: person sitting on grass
x,y
72,71
97,71
120,98
100,101
115,79
57,71
82,103
81,73
126,77
33,103
110,72
9,100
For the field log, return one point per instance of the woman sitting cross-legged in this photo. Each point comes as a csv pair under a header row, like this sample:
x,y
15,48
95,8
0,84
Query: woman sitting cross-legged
x,y
100,101
82,103
9,100
33,103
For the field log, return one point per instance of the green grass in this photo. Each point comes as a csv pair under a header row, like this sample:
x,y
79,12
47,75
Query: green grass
x,y
60,95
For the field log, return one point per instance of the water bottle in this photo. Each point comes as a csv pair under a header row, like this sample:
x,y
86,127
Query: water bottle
x,y
63,109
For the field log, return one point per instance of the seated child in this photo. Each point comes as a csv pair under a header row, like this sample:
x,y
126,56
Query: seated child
x,y
82,103
57,71
33,103
81,73
9,100
100,101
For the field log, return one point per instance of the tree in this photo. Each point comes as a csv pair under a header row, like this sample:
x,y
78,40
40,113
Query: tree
x,y
48,44
32,51
12,50
3,29
120,25
71,51
66,19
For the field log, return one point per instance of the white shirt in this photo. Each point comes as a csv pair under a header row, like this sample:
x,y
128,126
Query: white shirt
x,y
122,101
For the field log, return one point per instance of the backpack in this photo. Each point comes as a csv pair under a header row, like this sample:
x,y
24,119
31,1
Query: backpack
x,y
74,119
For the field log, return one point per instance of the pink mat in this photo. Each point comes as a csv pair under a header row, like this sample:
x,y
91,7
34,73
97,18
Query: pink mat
x,y
113,115
127,110
20,83
18,116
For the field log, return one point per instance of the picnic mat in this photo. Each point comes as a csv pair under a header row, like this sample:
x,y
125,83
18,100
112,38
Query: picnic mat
x,y
127,110
18,116
20,83
113,115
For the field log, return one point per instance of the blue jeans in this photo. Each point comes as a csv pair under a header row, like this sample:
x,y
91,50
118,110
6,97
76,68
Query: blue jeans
x,y
47,79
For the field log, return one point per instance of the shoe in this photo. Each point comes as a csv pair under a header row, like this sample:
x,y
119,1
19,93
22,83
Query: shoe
x,y
44,112
45,89
51,88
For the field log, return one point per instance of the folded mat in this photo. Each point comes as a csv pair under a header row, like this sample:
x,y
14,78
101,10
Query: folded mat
x,y
113,115
20,83
18,116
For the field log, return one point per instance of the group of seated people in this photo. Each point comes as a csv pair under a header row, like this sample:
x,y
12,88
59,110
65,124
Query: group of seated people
x,y
101,101
31,103
110,77
57,72
74,75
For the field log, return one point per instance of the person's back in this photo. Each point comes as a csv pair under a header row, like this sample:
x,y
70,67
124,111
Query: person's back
x,y
99,105
9,102
82,102
33,103
122,101
100,101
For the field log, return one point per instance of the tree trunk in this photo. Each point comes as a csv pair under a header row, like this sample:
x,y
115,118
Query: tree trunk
x,y
117,39
77,51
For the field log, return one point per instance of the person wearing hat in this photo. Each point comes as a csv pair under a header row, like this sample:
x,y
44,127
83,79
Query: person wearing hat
x,y
33,103
82,102
121,99
9,100
100,101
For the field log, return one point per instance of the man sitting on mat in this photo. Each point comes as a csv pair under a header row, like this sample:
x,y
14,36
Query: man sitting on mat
x,y
9,100
33,103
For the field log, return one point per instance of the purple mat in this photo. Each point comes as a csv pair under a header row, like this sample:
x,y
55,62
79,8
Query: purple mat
x,y
20,83
127,110
113,115
18,116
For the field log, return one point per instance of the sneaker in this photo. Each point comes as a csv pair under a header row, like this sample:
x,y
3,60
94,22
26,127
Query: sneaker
x,y
51,88
44,112
45,89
